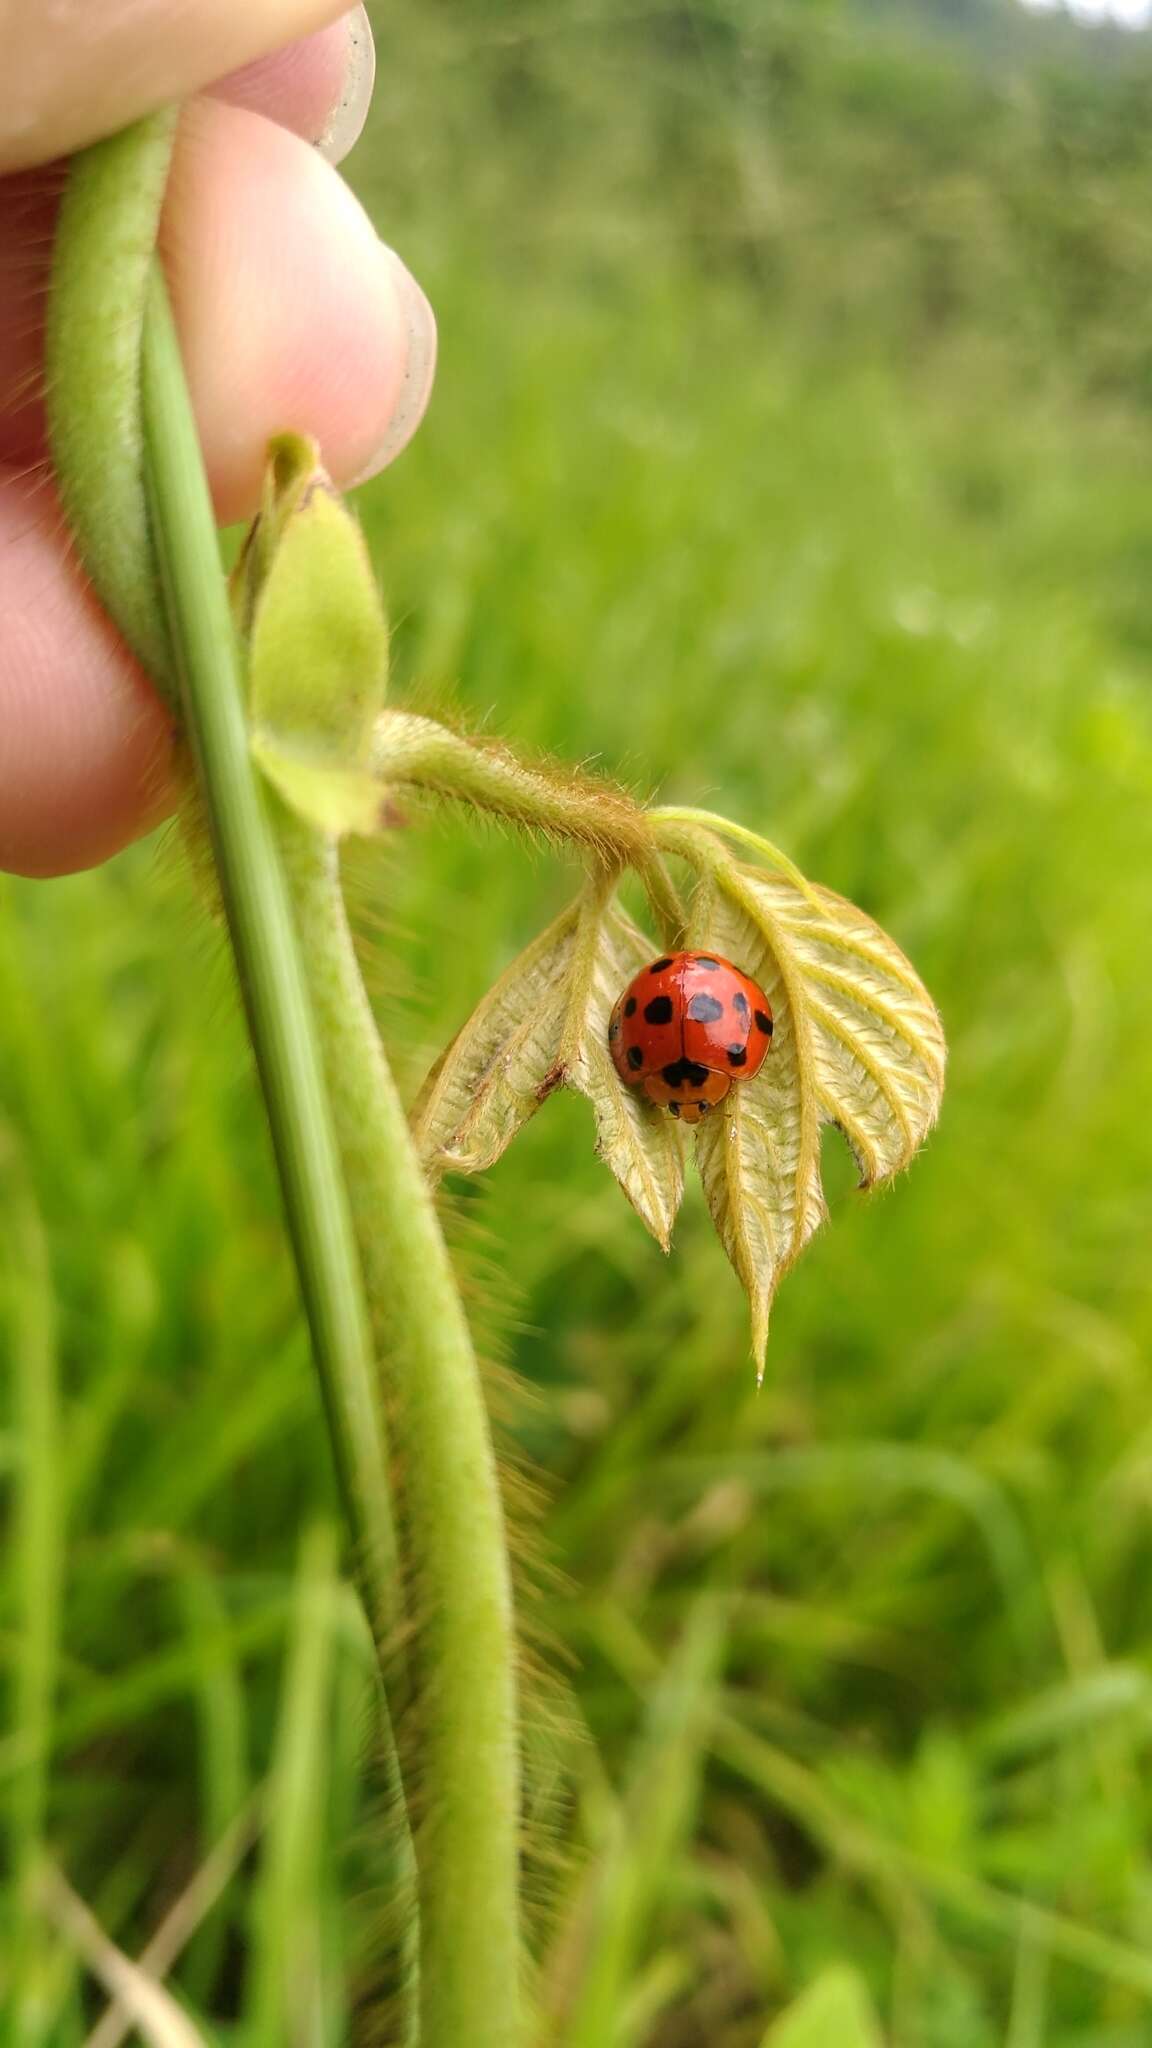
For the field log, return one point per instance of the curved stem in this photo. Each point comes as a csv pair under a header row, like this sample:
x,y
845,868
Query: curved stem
x,y
681,827
410,750
413,752
462,1658
105,243
153,555
268,962
122,428
664,901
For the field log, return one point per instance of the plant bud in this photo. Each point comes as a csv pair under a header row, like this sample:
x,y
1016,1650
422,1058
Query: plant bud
x,y
308,608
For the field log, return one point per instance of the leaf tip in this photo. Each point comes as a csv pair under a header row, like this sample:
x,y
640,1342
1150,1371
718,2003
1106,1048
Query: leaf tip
x,y
760,1308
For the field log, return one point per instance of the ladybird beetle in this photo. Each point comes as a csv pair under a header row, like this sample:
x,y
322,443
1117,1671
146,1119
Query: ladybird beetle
x,y
687,1027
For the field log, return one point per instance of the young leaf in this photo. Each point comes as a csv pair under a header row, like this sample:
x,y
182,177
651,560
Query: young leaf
x,y
542,1026
877,1043
308,606
503,1064
334,799
291,461
759,1156
636,1141
857,1043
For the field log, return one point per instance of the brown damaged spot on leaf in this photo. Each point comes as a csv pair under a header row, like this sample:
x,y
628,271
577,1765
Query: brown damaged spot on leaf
x,y
544,1026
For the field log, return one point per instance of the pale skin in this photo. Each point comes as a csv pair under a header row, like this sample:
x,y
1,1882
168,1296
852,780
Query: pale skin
x,y
292,313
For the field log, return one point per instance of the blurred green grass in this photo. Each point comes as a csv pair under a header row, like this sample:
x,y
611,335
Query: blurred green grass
x,y
726,488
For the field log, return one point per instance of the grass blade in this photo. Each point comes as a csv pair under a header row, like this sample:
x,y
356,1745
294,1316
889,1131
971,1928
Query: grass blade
x,y
38,1545
286,2003
649,1832
158,2019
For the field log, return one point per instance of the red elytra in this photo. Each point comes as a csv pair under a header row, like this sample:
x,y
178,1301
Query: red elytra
x,y
686,1028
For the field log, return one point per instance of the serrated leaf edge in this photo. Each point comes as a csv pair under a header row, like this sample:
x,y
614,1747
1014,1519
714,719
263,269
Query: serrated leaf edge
x,y
730,878
437,1159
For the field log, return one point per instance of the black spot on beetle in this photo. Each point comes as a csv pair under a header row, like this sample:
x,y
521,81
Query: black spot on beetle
x,y
659,1010
704,1009
740,1003
658,966
764,1022
737,1055
683,1073
703,960
614,1028
635,1056
630,1007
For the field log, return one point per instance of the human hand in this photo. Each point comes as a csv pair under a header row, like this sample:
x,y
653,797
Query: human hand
x,y
291,313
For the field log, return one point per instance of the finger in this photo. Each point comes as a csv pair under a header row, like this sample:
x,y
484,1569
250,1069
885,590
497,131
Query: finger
x,y
291,314
84,759
320,87
84,68
291,311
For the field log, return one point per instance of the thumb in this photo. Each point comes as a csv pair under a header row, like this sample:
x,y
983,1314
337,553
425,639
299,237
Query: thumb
x,y
81,69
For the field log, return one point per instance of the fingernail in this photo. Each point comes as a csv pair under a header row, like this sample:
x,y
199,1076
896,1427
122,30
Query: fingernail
x,y
345,123
419,369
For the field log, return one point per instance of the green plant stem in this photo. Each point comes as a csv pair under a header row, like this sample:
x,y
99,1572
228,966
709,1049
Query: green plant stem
x,y
105,246
412,752
275,992
463,1652
682,829
267,954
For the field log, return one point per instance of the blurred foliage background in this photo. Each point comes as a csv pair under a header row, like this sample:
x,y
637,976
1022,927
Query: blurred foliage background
x,y
789,454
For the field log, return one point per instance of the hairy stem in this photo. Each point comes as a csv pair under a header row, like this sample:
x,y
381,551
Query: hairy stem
x,y
134,466
422,754
462,1660
267,952
270,967
682,829
412,752
105,244
131,477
